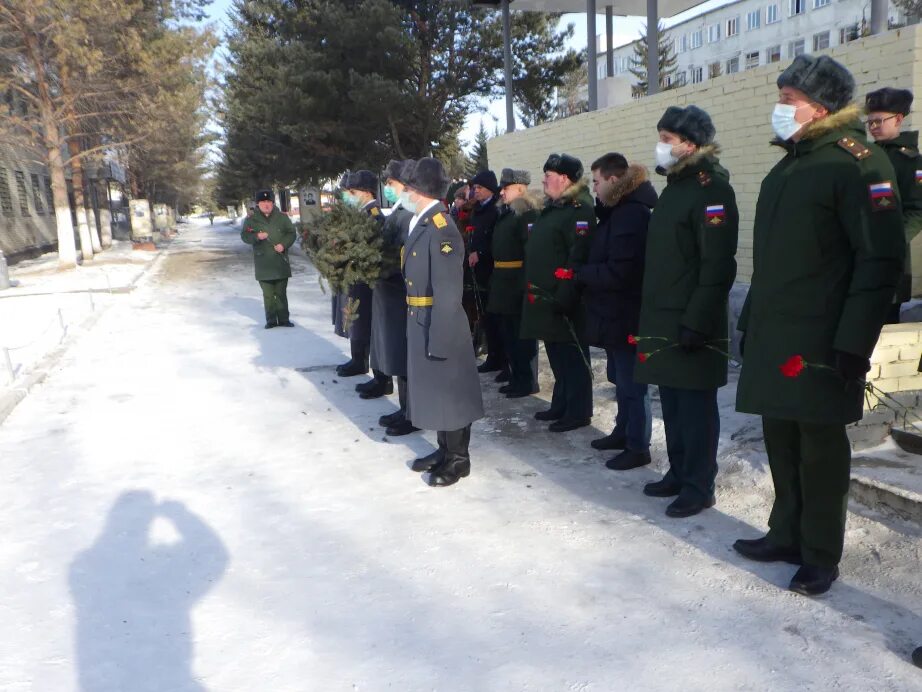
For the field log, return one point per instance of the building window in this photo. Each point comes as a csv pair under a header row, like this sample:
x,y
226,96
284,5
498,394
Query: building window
x,y
753,20
714,70
752,60
733,27
602,69
37,194
733,65
820,41
714,33
773,54
795,48
771,14
798,7
6,199
696,39
697,74
820,3
21,191
49,195
848,33
680,78
684,43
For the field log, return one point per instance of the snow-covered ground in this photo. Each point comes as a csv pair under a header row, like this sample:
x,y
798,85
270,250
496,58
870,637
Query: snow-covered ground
x,y
191,502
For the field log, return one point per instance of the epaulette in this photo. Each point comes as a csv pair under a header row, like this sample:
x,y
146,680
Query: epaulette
x,y
704,178
908,152
855,148
439,220
375,211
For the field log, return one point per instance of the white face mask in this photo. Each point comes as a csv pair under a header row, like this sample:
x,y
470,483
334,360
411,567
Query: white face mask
x,y
783,122
406,203
664,156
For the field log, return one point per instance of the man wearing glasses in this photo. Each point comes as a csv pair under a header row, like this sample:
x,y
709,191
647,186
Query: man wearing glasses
x,y
886,109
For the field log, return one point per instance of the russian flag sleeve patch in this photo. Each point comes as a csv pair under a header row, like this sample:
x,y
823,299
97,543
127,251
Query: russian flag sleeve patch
x,y
715,214
881,195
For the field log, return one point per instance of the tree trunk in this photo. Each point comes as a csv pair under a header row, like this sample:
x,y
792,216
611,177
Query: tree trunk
x,y
87,246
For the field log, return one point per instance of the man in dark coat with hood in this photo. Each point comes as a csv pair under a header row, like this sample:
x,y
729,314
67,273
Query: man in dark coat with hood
x,y
613,280
886,108
444,390
828,250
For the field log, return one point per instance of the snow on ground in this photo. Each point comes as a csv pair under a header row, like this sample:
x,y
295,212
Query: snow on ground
x,y
191,502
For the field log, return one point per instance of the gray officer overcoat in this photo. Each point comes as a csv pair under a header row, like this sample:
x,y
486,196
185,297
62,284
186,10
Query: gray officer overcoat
x,y
389,300
443,385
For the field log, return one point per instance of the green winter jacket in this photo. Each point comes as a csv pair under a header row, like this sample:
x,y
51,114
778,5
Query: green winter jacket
x,y
689,269
903,152
828,251
269,264
559,239
507,283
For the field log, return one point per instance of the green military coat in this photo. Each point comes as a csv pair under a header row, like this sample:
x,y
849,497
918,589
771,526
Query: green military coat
x,y
903,152
689,269
828,250
269,264
507,283
559,239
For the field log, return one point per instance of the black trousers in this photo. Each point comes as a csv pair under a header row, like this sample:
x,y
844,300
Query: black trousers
x,y
692,424
275,300
492,330
572,397
522,355
402,394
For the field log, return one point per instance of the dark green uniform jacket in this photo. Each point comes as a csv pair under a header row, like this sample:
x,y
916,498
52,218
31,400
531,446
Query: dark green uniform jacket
x,y
269,264
903,152
689,268
559,239
507,285
828,250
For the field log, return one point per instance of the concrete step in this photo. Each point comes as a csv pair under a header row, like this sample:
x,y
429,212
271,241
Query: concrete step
x,y
890,479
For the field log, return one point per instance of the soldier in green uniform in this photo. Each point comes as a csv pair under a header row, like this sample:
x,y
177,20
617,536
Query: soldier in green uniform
x,y
553,310
886,108
828,251
689,269
507,283
271,233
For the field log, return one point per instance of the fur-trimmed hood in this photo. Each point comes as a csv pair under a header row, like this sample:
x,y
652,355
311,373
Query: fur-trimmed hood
x,y
832,122
711,150
633,178
524,204
570,194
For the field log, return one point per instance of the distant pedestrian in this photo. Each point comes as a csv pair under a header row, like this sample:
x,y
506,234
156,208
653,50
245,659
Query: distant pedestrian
x,y
271,233
211,218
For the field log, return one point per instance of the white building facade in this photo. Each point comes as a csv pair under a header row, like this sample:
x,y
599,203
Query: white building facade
x,y
749,33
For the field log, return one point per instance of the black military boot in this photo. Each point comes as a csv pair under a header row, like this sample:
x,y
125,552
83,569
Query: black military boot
x,y
763,550
457,462
688,506
358,365
568,424
271,324
917,657
666,487
432,459
628,460
550,414
390,419
381,385
613,440
813,581
400,428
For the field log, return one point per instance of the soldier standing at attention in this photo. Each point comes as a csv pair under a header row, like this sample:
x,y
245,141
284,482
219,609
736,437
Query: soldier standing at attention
x,y
828,251
688,272
271,233
886,108
443,386
507,285
552,311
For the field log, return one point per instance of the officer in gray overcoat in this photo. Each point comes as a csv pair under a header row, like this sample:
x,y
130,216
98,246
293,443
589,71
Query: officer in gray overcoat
x,y
444,389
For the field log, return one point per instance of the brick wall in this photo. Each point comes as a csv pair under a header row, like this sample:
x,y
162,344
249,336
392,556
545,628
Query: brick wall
x,y
740,105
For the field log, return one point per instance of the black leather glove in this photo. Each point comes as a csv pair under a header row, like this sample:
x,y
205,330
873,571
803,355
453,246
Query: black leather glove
x,y
850,366
690,340
743,344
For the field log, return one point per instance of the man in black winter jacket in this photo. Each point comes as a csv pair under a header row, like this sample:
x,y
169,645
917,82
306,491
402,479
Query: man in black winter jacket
x,y
612,279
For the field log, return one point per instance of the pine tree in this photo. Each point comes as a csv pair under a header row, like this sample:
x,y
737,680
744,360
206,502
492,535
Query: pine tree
x,y
478,159
668,62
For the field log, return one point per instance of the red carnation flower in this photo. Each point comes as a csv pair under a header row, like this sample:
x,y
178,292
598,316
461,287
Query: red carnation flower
x,y
468,229
562,273
793,366
642,357
632,340
532,298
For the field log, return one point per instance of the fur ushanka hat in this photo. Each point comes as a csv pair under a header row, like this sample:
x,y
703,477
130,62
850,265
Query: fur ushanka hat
x,y
888,100
363,180
821,78
429,178
690,122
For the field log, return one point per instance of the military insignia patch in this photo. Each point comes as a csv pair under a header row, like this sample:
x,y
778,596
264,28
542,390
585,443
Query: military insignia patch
x,y
445,248
375,211
704,178
715,215
918,177
881,196
440,222
582,228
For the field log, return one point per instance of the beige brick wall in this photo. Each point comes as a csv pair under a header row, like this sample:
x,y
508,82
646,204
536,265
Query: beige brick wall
x,y
740,105
895,361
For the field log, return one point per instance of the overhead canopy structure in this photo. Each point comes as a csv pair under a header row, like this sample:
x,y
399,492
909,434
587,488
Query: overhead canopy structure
x,y
654,10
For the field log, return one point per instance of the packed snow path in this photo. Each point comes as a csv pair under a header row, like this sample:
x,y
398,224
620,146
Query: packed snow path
x,y
191,502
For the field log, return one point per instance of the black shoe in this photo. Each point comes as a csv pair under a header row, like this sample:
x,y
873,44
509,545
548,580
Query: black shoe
x,y
520,393
403,427
662,488
568,424
762,550
917,657
363,386
628,460
270,325
550,414
502,377
428,462
390,419
687,507
812,581
287,323
487,366
611,441
351,369
449,473
378,389
505,389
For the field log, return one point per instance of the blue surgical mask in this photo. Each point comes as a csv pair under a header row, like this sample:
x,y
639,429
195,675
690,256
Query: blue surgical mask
x,y
783,121
351,200
390,194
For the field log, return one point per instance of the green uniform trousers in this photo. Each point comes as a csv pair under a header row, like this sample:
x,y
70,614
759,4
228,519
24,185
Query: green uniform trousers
x,y
811,467
275,300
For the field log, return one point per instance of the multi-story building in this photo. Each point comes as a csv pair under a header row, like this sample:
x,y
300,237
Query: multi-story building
x,y
748,33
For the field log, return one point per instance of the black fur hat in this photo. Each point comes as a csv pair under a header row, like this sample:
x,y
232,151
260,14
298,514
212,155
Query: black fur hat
x,y
363,180
407,166
429,178
564,164
265,196
344,182
824,80
888,100
514,176
690,122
